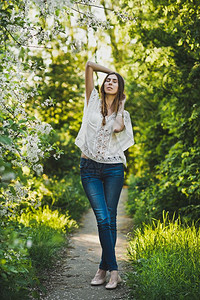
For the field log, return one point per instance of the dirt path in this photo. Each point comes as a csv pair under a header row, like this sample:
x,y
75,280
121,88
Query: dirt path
x,y
71,279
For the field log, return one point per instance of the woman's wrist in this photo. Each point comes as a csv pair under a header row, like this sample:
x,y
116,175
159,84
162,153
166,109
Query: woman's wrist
x,y
121,108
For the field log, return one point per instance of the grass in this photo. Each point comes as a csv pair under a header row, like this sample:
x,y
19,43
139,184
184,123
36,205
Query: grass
x,y
50,218
166,261
47,234
30,244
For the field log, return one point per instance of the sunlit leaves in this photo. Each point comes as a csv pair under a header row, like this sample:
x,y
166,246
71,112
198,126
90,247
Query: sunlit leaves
x,y
164,76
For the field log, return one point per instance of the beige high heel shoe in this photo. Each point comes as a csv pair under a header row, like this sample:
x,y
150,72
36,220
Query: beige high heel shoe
x,y
112,284
98,279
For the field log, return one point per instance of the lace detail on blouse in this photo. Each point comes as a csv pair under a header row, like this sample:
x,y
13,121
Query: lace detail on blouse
x,y
102,139
99,158
101,145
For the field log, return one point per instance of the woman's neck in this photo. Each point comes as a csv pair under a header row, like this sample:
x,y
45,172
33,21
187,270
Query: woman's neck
x,y
109,100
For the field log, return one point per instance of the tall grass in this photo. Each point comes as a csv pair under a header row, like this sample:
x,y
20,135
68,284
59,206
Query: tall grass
x,y
30,243
47,233
166,261
50,218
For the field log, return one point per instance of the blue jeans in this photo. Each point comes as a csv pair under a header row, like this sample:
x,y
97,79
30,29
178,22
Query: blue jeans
x,y
103,184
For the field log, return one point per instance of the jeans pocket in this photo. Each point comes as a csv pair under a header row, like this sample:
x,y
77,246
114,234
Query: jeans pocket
x,y
83,163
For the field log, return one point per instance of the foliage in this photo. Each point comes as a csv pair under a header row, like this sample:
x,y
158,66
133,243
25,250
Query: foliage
x,y
45,216
36,22
67,194
28,244
23,135
46,234
144,193
46,243
165,257
163,88
63,82
16,271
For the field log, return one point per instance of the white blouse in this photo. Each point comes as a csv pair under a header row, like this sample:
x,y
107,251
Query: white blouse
x,y
98,142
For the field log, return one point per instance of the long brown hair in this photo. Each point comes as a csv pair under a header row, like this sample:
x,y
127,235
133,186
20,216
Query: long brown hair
x,y
119,96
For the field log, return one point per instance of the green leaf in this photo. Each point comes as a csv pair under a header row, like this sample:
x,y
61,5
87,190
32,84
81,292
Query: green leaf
x,y
5,140
13,269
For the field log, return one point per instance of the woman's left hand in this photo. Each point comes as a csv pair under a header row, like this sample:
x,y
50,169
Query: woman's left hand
x,y
122,103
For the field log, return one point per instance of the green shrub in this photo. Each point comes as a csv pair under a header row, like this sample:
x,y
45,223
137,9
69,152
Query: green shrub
x,y
166,260
67,194
16,271
141,199
148,197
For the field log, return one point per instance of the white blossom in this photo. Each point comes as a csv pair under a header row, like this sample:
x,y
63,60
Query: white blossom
x,y
91,21
56,156
3,211
29,243
38,168
48,102
8,176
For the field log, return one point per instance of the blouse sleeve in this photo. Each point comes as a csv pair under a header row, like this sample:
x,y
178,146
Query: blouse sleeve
x,y
94,97
125,137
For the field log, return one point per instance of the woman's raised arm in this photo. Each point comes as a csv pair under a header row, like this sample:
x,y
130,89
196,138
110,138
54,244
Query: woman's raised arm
x,y
89,81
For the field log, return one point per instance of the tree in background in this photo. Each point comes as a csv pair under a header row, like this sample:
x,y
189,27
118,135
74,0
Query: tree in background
x,y
164,88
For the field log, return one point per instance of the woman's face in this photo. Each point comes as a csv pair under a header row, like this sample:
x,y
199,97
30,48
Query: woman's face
x,y
111,85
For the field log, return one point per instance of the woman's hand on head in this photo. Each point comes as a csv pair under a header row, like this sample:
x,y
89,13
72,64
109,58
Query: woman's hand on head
x,y
89,80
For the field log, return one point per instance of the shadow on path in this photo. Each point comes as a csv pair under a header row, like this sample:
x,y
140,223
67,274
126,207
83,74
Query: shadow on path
x,y
78,266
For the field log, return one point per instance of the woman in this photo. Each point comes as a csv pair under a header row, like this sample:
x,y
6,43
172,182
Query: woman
x,y
105,134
